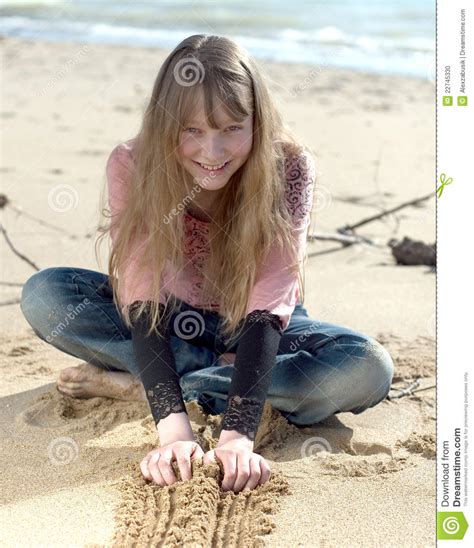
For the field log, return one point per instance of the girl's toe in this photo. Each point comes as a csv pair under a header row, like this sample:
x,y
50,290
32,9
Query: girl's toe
x,y
67,374
62,390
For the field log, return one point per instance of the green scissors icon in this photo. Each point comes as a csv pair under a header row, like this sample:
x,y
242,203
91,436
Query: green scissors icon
x,y
444,182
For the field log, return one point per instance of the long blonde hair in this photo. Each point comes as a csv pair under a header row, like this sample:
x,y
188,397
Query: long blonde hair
x,y
223,71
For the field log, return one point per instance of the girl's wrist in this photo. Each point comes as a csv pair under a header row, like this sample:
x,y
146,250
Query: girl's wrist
x,y
175,427
234,435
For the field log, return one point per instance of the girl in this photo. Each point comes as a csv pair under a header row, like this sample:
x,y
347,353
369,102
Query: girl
x,y
211,205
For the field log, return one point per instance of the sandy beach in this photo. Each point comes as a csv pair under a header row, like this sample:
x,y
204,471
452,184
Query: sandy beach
x,y
70,467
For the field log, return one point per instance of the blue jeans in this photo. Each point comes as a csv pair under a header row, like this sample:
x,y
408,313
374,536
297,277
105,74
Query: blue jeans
x,y
321,369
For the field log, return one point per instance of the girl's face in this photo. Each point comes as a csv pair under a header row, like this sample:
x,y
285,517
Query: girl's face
x,y
211,156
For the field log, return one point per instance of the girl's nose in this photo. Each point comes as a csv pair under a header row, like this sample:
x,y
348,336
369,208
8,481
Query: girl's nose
x,y
213,150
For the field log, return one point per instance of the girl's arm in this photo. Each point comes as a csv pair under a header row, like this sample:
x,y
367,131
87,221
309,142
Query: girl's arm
x,y
254,361
271,304
256,352
175,427
160,379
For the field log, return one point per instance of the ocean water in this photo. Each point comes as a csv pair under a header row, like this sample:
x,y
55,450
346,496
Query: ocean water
x,y
380,36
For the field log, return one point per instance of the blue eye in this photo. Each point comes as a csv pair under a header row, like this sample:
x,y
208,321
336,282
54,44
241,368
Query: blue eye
x,y
191,129
234,128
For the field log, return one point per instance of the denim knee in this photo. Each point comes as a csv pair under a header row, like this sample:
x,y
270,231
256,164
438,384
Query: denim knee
x,y
363,382
37,298
378,374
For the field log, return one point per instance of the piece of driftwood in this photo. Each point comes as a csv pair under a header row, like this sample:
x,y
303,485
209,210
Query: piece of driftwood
x,y
12,247
349,228
345,239
413,252
407,391
5,201
411,389
424,388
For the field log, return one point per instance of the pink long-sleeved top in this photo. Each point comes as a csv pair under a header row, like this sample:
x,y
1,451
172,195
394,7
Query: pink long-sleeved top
x,y
276,289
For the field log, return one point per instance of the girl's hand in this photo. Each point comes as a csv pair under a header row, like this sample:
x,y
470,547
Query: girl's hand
x,y
243,469
156,466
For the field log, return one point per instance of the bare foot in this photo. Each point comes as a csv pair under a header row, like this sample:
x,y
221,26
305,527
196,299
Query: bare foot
x,y
88,381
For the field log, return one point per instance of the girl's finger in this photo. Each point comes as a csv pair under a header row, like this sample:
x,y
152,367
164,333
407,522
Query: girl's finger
x,y
184,464
197,453
62,390
155,471
164,465
243,472
209,457
255,473
265,471
144,468
230,471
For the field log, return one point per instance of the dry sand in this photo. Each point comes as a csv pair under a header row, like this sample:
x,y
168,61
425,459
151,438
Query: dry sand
x,y
70,467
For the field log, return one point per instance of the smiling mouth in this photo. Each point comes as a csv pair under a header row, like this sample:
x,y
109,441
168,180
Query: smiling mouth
x,y
213,169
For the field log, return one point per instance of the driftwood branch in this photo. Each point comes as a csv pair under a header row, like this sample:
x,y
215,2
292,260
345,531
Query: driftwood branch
x,y
407,391
12,247
6,202
424,388
350,228
344,239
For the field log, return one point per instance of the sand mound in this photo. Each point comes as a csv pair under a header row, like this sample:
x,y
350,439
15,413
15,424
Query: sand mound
x,y
195,512
424,444
91,416
85,434
84,442
363,467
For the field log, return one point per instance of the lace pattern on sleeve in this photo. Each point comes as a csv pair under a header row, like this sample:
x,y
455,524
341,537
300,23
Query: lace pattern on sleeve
x,y
264,316
164,399
243,415
251,378
157,366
